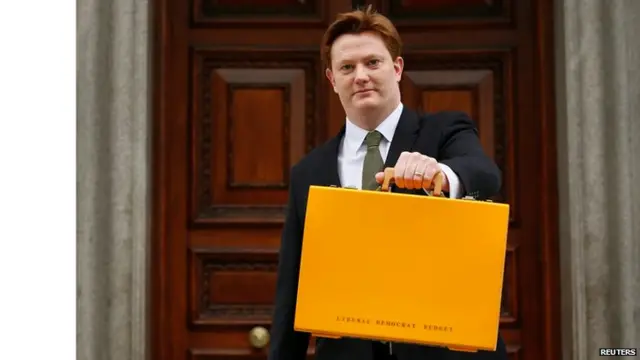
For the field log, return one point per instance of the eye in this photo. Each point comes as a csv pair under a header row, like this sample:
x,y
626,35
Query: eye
x,y
346,67
374,62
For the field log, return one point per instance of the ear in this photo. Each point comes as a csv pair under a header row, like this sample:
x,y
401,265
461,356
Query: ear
x,y
398,67
329,75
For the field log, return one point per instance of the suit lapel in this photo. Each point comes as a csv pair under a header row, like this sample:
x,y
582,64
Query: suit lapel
x,y
404,137
328,167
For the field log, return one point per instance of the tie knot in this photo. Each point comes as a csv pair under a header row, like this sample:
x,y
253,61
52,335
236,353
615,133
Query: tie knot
x,y
373,138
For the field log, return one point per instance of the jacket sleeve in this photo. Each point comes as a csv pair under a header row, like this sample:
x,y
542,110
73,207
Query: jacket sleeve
x,y
287,344
461,150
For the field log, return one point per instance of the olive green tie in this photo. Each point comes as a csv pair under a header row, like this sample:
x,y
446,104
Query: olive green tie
x,y
373,162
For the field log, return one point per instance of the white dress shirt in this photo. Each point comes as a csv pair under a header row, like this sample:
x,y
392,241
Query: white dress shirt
x,y
353,150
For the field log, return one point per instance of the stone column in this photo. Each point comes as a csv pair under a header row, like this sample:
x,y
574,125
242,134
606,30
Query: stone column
x,y
598,101
113,179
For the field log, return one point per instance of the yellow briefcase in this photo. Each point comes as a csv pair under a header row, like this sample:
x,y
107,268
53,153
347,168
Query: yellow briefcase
x,y
404,268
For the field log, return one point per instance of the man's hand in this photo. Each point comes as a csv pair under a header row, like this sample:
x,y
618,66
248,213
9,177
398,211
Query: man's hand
x,y
415,171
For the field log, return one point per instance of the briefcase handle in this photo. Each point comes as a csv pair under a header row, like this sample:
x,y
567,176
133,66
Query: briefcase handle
x,y
388,179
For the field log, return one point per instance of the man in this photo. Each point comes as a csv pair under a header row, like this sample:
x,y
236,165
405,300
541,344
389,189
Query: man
x,y
361,50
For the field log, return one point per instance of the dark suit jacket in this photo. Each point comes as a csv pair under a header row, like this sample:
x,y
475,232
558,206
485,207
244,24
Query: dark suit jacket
x,y
449,137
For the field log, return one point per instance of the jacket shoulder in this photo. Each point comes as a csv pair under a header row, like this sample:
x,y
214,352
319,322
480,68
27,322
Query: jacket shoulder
x,y
443,119
310,161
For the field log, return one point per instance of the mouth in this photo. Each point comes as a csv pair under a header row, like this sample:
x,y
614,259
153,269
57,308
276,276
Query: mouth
x,y
365,91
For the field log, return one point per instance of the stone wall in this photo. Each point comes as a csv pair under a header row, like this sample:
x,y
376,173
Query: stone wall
x,y
598,102
113,179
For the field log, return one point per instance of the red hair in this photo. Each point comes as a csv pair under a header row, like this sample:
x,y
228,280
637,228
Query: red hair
x,y
359,21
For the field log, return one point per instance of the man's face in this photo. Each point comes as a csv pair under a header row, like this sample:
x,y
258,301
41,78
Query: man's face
x,y
363,73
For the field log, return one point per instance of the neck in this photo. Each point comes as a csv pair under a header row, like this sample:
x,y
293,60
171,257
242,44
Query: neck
x,y
369,119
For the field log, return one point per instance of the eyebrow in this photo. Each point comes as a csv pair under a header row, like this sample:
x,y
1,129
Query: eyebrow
x,y
368,57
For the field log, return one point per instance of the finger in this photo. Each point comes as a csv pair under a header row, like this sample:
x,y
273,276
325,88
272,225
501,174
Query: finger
x,y
419,175
399,168
429,172
380,178
410,170
432,168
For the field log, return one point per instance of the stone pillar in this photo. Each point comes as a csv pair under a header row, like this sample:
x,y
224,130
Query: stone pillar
x,y
598,101
113,179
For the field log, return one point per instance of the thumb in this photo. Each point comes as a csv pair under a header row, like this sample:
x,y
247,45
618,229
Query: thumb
x,y
380,177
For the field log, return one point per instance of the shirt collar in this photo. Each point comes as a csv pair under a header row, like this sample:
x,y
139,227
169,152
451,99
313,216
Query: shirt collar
x,y
354,135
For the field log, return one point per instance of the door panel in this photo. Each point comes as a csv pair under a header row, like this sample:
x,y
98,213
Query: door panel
x,y
247,13
241,95
452,14
252,120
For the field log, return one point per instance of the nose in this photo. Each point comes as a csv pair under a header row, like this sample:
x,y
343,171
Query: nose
x,y
362,75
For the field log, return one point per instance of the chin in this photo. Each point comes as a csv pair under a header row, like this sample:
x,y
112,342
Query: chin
x,y
366,104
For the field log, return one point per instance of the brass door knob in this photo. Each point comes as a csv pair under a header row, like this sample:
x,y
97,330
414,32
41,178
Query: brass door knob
x,y
259,337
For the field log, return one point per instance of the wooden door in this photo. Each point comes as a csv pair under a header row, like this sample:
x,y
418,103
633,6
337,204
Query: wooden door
x,y
240,96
